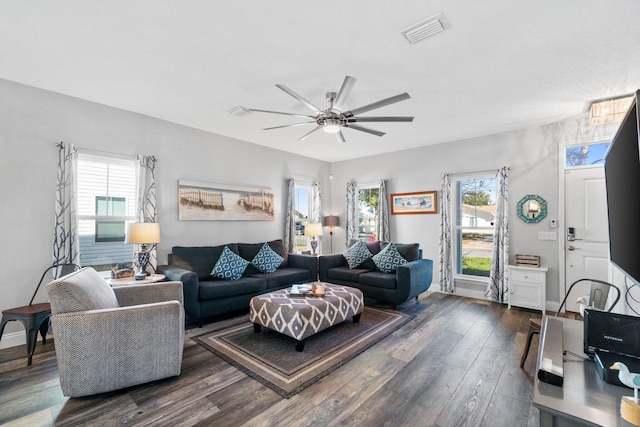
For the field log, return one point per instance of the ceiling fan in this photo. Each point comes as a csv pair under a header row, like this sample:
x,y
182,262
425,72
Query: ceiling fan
x,y
333,119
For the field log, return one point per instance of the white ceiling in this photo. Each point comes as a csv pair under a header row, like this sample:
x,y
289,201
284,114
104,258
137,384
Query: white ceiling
x,y
500,65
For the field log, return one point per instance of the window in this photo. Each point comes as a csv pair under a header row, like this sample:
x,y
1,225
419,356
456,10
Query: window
x,y
367,212
302,205
475,209
585,155
106,202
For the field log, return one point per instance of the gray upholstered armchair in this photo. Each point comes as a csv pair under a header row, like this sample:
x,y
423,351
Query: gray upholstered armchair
x,y
111,338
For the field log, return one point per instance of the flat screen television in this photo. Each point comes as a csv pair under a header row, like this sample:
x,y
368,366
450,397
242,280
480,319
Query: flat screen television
x,y
622,176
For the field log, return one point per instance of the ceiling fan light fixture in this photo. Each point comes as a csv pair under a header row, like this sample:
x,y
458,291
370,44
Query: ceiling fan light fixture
x,y
331,126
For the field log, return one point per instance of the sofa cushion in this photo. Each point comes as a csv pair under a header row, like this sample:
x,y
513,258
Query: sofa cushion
x,y
346,273
80,291
229,266
378,279
409,251
267,260
357,254
284,277
250,250
216,289
199,259
388,259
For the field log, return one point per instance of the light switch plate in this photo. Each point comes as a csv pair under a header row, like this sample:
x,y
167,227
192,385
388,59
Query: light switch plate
x,y
547,235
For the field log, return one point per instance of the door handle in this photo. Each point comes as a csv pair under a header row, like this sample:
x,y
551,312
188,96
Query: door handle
x,y
571,248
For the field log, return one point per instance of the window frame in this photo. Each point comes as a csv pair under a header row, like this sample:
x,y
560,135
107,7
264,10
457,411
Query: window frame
x,y
299,238
90,187
362,187
457,224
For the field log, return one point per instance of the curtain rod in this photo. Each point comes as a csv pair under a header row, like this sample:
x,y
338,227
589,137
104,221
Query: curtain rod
x,y
91,150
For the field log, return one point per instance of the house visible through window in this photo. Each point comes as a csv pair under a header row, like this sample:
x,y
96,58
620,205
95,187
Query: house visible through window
x,y
302,209
367,212
475,209
106,203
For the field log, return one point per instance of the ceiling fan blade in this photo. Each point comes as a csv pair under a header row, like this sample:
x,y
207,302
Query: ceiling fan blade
x,y
300,98
378,104
363,129
280,112
380,119
288,126
306,135
340,137
347,85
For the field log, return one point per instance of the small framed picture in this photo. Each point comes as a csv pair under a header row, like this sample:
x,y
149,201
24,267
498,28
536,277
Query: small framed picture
x,y
420,202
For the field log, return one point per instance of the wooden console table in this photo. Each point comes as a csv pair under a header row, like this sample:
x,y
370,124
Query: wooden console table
x,y
585,399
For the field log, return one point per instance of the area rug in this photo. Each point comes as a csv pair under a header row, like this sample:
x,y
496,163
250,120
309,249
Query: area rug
x,y
271,358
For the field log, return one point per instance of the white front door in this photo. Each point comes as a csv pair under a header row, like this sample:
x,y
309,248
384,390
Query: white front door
x,y
586,257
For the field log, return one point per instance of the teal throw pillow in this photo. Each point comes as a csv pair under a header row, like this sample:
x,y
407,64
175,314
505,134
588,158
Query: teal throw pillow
x,y
357,254
389,259
230,266
267,260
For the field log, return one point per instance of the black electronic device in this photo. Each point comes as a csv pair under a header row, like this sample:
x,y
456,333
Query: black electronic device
x,y
610,338
611,332
622,177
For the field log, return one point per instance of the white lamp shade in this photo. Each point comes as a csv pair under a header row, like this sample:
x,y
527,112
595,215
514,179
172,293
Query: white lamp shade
x,y
313,229
143,233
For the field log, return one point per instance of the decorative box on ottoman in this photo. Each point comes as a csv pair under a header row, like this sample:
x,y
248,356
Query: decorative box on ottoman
x,y
300,317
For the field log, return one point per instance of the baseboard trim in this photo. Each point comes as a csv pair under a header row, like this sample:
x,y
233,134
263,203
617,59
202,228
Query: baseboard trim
x,y
14,339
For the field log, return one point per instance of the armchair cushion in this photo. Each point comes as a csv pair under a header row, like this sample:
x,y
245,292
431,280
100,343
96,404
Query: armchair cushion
x,y
82,290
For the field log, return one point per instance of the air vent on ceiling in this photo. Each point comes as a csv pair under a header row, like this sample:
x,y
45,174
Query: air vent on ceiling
x,y
240,111
425,29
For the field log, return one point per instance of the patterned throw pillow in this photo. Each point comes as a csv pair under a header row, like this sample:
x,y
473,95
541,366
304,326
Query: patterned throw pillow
x,y
357,254
230,266
389,259
267,260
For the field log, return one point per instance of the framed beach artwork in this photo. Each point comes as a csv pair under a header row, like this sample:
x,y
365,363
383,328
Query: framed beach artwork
x,y
219,202
420,202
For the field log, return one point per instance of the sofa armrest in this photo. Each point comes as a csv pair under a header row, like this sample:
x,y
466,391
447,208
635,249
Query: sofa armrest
x,y
327,262
101,350
414,277
190,287
307,262
149,293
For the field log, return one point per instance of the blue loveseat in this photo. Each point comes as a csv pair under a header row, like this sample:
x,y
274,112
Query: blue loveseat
x,y
206,295
408,281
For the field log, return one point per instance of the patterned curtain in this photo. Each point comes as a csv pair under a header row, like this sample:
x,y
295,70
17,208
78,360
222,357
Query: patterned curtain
x,y
316,204
65,230
497,288
290,218
351,226
383,229
146,206
447,283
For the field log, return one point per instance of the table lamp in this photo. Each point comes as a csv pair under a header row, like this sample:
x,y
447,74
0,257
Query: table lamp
x,y
331,221
143,234
313,229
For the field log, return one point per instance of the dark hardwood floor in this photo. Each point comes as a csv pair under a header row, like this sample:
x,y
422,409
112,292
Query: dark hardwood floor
x,y
455,364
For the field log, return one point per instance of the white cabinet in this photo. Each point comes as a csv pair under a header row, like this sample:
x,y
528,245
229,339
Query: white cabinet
x,y
527,286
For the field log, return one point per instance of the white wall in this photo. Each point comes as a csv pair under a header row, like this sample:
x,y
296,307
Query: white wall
x,y
533,155
33,120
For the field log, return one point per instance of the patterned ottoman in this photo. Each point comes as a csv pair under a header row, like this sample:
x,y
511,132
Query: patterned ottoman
x,y
301,317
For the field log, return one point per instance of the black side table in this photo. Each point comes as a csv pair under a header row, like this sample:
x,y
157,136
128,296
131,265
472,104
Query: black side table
x,y
35,318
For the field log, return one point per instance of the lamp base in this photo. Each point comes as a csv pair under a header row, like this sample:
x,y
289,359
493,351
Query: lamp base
x,y
314,246
142,262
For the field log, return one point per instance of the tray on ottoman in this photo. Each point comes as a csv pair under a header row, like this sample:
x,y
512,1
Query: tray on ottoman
x,y
300,317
